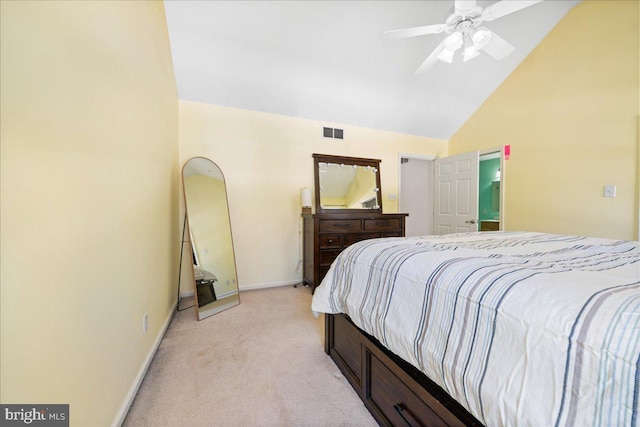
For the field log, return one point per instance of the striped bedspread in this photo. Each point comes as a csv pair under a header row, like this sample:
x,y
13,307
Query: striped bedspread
x,y
523,329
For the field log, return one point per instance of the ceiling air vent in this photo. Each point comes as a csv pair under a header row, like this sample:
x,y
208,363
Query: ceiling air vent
x,y
332,133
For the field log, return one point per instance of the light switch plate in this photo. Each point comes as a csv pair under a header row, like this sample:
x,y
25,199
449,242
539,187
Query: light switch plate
x,y
609,191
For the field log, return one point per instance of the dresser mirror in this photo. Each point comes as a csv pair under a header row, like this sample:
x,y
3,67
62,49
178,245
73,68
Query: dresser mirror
x,y
348,184
209,227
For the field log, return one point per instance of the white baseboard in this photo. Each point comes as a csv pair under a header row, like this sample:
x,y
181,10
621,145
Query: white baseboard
x,y
226,294
269,285
186,294
126,404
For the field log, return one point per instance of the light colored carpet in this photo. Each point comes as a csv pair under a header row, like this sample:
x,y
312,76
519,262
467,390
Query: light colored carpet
x,y
261,363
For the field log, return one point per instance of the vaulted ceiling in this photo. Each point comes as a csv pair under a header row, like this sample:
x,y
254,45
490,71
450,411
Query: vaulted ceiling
x,y
327,61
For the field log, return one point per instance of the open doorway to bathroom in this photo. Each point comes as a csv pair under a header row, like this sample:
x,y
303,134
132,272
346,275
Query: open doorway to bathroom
x,y
490,192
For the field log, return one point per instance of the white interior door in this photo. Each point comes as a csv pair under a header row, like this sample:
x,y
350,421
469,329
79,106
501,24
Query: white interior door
x,y
456,194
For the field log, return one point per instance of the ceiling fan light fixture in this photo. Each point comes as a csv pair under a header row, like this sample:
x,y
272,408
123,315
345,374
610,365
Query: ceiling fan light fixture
x,y
462,27
470,53
446,55
470,50
454,42
451,44
481,38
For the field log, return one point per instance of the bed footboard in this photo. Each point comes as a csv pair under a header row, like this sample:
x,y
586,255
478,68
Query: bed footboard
x,y
395,392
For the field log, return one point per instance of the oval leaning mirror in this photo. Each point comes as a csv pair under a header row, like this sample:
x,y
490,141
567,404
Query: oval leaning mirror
x,y
209,227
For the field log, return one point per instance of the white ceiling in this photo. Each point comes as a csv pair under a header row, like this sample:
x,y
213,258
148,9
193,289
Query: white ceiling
x,y
326,60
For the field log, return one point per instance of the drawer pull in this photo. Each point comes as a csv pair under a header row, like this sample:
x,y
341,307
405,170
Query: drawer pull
x,y
337,224
399,408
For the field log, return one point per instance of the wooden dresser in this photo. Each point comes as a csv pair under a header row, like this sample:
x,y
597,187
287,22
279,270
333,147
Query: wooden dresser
x,y
325,235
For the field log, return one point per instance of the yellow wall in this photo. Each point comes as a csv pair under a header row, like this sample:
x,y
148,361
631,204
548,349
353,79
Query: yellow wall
x,y
333,202
569,112
362,188
89,200
266,160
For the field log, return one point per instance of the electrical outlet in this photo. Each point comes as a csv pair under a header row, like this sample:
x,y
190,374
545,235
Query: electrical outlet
x,y
145,323
609,191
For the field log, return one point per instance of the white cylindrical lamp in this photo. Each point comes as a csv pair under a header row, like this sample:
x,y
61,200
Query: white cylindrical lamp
x,y
305,200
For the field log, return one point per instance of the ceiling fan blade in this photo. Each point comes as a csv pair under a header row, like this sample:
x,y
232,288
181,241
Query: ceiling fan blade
x,y
415,31
498,48
431,59
505,7
462,7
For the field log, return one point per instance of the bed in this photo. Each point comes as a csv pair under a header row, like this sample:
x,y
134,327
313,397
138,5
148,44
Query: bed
x,y
492,328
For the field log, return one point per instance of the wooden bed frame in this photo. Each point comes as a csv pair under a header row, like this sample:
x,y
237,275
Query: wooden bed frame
x,y
395,392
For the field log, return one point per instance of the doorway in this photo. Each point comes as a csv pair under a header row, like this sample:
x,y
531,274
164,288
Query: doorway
x,y
489,191
416,193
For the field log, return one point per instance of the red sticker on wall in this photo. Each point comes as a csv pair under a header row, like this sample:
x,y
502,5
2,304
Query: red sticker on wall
x,y
507,152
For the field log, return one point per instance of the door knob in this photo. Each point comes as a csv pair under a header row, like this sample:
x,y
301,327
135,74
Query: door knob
x,y
473,221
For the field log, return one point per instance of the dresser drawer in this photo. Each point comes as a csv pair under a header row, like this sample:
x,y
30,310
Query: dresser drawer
x,y
327,256
395,400
382,224
350,239
340,225
331,241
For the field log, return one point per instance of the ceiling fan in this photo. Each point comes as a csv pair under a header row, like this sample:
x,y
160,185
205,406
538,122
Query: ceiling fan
x,y
463,27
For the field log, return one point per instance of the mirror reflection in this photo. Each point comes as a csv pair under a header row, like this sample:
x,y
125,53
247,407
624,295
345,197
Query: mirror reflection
x,y
348,186
214,267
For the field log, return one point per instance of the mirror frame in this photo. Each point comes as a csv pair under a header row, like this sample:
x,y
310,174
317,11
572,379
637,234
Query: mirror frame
x,y
359,161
